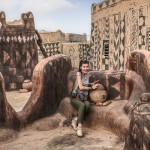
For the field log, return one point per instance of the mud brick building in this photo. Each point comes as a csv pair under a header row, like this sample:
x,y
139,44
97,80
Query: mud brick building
x,y
18,50
59,36
118,28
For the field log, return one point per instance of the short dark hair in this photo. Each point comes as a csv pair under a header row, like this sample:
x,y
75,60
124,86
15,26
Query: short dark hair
x,y
82,62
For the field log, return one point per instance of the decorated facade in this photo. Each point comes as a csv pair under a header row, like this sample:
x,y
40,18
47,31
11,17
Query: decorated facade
x,y
118,27
18,50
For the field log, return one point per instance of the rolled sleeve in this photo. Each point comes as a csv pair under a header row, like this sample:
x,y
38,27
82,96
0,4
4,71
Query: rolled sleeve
x,y
78,73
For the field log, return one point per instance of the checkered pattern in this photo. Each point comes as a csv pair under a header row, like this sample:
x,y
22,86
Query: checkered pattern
x,y
53,48
105,63
18,51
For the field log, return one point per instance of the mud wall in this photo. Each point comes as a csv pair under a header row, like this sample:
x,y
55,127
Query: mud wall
x,y
117,84
18,50
49,88
75,51
118,27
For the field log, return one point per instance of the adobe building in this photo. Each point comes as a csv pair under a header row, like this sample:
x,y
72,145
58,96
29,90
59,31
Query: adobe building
x,y
59,36
118,27
52,36
72,37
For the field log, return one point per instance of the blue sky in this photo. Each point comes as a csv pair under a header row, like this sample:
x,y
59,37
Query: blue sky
x,y
70,16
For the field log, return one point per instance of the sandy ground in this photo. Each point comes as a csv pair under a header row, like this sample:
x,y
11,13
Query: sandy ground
x,y
49,134
17,100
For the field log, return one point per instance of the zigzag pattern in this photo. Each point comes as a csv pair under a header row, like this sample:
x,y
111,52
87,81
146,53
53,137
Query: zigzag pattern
x,y
117,40
122,43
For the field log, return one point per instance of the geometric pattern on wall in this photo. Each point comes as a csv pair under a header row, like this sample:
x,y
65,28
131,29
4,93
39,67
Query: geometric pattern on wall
x,y
106,25
127,36
53,48
134,30
107,3
142,29
122,42
116,40
18,51
102,28
105,64
94,46
71,50
116,86
100,48
92,42
85,53
111,42
105,60
130,31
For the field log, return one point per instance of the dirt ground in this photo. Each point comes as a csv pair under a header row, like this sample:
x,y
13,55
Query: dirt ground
x,y
50,134
17,100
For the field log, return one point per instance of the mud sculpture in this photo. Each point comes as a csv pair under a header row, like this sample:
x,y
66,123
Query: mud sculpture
x,y
46,94
123,88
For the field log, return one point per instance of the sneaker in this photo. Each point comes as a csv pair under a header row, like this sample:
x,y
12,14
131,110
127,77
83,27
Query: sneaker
x,y
79,131
74,124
